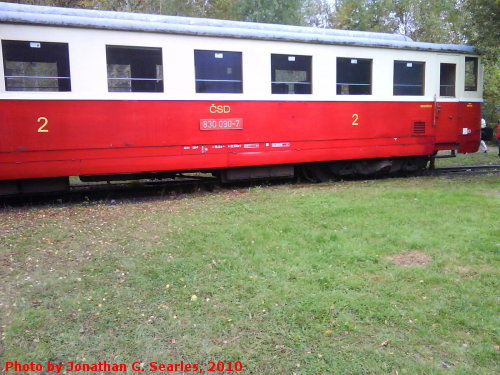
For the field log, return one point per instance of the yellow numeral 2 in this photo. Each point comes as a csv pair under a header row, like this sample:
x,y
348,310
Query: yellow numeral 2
x,y
355,117
42,129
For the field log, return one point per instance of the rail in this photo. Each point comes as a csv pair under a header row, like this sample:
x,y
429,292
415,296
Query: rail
x,y
465,168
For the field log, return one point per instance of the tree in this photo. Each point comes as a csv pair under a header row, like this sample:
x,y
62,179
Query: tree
x,y
423,20
317,13
271,11
483,31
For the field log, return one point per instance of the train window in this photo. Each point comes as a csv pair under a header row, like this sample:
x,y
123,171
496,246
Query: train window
x,y
134,69
291,74
471,68
447,80
409,77
36,66
354,76
218,72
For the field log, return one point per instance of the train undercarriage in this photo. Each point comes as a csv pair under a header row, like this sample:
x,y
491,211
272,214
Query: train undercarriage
x,y
312,172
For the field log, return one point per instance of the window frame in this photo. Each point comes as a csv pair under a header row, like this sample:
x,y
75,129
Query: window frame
x,y
277,61
139,81
444,85
210,79
39,51
400,79
341,85
475,72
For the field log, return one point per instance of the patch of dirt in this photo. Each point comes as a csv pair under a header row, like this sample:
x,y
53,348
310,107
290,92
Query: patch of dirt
x,y
410,258
377,278
235,193
470,271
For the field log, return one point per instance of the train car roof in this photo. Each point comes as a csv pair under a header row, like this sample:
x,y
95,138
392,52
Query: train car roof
x,y
109,20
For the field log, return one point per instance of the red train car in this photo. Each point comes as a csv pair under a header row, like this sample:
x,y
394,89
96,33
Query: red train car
x,y
107,95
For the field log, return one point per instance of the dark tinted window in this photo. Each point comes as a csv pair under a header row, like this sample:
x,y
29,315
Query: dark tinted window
x,y
291,74
36,66
354,76
218,71
134,69
471,68
409,77
447,80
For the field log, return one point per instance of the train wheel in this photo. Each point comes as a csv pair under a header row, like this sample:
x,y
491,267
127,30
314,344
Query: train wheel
x,y
397,164
341,168
370,167
415,164
316,172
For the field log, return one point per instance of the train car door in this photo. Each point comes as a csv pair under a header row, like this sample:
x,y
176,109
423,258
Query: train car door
x,y
446,111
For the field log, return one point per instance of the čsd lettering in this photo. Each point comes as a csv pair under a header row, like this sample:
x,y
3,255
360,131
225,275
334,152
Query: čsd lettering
x,y
219,108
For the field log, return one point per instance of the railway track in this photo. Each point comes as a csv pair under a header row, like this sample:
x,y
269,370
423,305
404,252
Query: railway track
x,y
183,185
469,169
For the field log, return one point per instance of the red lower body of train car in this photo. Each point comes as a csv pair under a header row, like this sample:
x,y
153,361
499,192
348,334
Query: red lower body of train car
x,y
43,138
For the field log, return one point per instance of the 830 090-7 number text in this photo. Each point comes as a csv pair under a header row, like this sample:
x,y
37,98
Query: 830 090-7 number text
x,y
221,124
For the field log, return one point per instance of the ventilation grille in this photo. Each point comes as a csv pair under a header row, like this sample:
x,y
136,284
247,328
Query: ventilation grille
x,y
419,127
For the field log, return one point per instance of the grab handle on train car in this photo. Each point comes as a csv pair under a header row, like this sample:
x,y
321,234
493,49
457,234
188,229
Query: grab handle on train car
x,y
437,108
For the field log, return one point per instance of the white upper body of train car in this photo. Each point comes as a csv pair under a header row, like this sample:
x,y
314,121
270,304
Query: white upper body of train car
x,y
92,49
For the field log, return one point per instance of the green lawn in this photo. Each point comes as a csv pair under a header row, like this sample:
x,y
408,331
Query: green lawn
x,y
477,158
361,277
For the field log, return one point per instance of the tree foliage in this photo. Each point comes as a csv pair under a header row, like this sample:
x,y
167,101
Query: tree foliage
x,y
423,20
483,31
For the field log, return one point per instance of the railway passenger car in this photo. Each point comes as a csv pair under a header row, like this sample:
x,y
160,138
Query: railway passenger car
x,y
108,95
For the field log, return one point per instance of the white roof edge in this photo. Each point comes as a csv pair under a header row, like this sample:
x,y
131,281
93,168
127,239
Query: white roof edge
x,y
70,17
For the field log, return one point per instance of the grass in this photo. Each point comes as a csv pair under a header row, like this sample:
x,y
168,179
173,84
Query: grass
x,y
287,279
477,158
